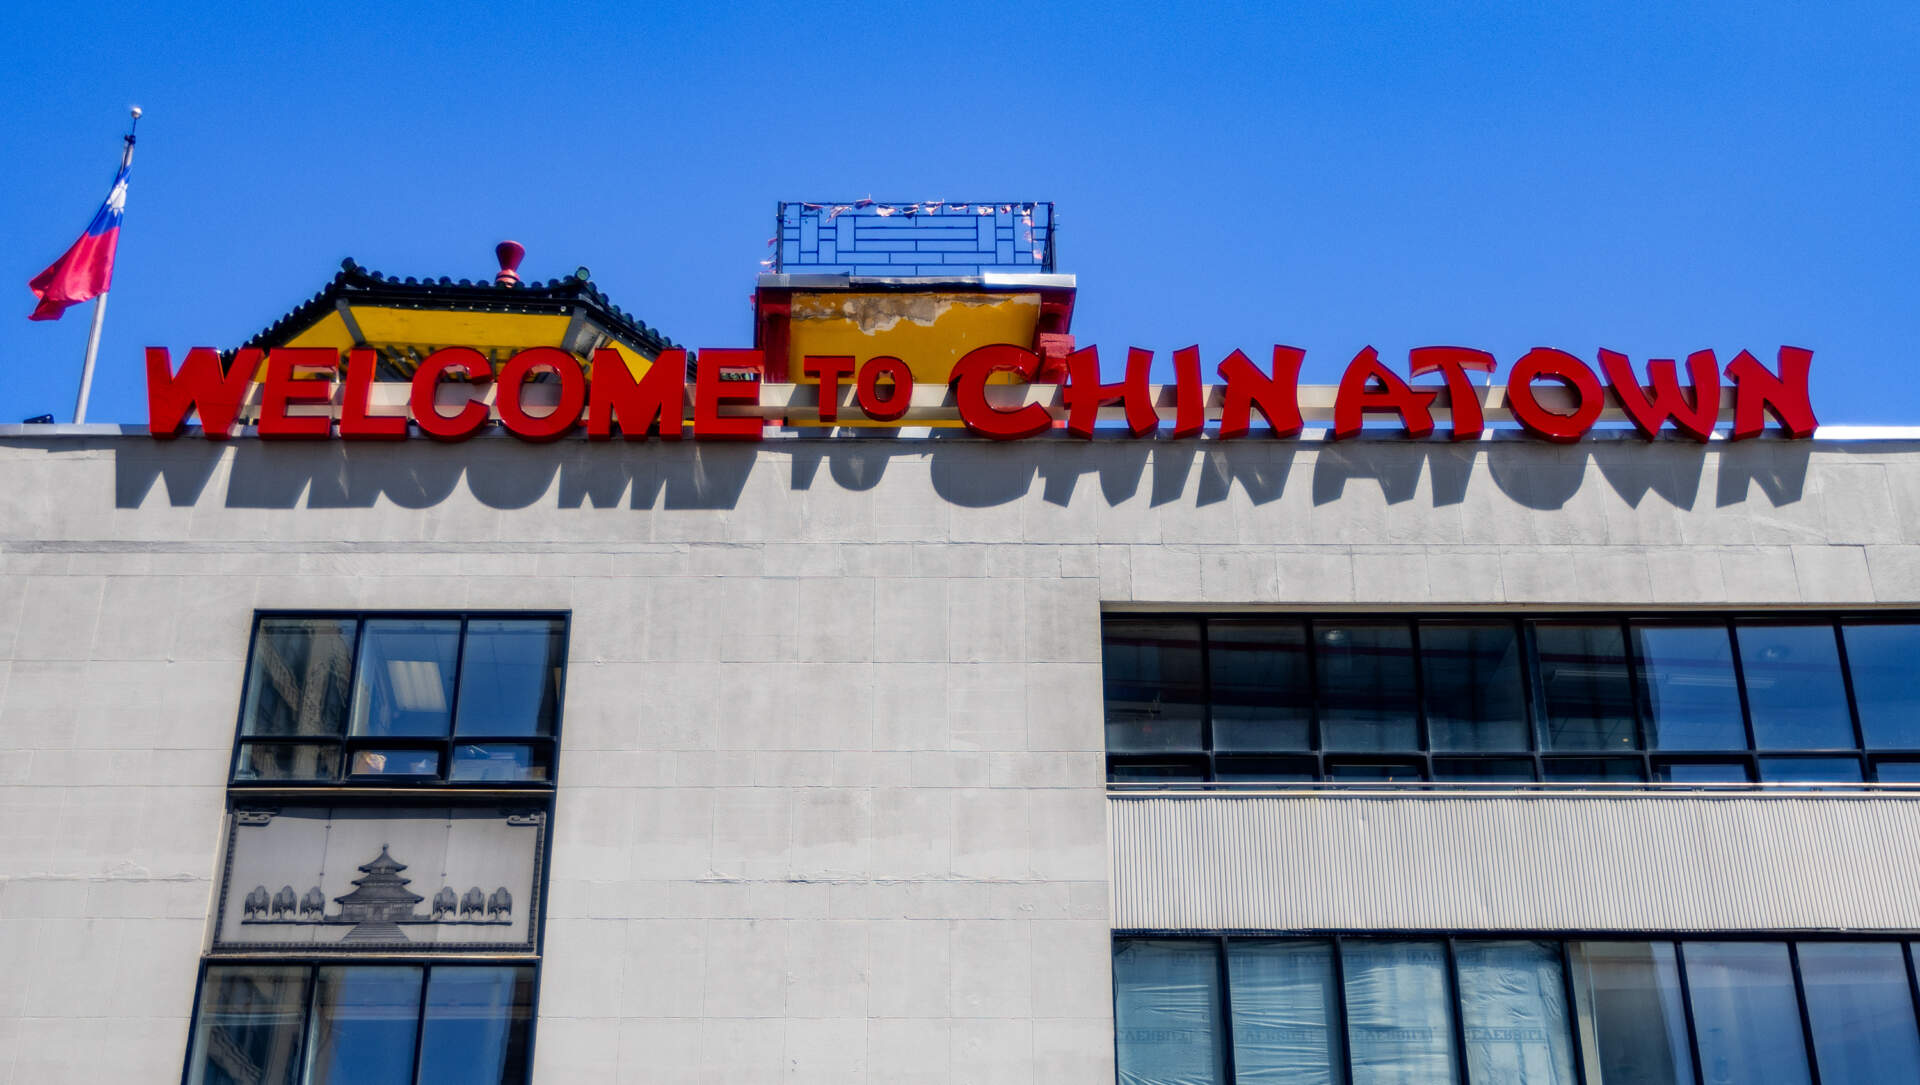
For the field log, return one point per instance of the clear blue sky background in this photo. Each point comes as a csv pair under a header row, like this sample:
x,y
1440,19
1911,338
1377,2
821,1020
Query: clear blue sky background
x,y
1651,178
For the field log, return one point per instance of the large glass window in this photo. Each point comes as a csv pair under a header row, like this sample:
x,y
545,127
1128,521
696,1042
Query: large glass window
x,y
1474,688
1687,688
1365,675
1746,1017
1860,1007
401,699
249,1026
1262,687
1166,1012
1886,683
476,1025
1794,685
299,680
404,682
1399,1012
362,1026
1156,697
336,1024
1286,1012
1513,1011
1584,684
1699,700
1632,1012
510,673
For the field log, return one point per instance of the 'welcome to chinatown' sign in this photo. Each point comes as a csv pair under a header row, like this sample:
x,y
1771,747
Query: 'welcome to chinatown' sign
x,y
544,393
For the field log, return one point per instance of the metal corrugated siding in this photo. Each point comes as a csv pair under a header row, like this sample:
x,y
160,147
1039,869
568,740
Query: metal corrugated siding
x,y
1389,862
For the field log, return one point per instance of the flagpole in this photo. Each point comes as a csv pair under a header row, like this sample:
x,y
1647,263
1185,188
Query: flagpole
x,y
93,349
99,308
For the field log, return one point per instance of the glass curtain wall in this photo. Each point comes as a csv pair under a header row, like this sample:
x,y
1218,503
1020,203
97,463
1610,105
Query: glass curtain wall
x,y
1732,699
1513,1011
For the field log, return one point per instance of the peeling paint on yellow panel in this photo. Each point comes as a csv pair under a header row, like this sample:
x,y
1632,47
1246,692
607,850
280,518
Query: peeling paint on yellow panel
x,y
929,331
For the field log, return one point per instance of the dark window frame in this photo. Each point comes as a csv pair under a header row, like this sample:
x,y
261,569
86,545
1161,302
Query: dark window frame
x,y
312,963
347,744
1204,762
1908,941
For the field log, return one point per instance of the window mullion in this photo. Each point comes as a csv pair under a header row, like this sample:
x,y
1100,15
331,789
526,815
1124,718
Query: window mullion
x,y
308,1023
1569,992
1458,1018
1806,1021
420,1022
1340,1002
1226,1012
1631,655
1206,699
1686,1008
453,703
1846,680
1314,740
1424,740
1746,709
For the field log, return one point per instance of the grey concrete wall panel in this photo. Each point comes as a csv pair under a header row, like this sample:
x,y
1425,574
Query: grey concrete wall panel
x,y
1516,862
831,800
356,880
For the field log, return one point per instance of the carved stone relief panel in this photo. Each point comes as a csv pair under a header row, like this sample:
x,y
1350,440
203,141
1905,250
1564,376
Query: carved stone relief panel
x,y
353,879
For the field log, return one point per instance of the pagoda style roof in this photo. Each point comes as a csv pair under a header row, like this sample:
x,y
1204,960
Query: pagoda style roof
x,y
407,319
382,884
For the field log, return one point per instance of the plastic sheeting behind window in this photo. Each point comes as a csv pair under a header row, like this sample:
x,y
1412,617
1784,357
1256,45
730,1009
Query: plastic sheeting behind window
x,y
1166,1008
1286,1015
1399,1012
1514,1008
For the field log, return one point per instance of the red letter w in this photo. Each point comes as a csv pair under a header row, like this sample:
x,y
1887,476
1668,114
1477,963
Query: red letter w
x,y
171,396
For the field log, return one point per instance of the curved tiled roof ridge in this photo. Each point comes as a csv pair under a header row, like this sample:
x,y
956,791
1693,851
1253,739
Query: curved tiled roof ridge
x,y
354,282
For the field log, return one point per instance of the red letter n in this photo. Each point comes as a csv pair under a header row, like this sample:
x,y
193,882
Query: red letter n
x,y
1277,396
1784,396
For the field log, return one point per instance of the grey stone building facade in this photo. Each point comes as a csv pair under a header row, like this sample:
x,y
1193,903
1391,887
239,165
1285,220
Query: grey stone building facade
x,y
831,797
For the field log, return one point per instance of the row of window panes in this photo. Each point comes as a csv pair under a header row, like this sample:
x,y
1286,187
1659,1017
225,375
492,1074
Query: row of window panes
x,y
465,699
1521,768
296,1024
1377,1011
1485,686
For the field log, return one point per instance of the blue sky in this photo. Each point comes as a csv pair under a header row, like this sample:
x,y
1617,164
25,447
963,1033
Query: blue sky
x,y
1654,178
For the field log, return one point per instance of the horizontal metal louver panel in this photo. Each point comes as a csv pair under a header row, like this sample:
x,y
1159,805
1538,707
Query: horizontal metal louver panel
x,y
1515,862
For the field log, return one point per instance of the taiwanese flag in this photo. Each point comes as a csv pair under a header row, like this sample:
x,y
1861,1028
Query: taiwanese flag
x,y
86,270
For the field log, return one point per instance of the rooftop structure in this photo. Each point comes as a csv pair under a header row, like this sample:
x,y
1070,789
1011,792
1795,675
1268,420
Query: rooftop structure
x,y
405,319
932,239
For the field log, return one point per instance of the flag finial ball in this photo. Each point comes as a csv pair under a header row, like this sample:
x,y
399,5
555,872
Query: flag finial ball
x,y
135,111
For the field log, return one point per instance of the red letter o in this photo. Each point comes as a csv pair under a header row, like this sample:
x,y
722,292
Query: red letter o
x,y
894,406
1568,370
565,414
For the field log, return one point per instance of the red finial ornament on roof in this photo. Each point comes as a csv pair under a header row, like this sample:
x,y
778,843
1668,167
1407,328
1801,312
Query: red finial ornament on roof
x,y
510,254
